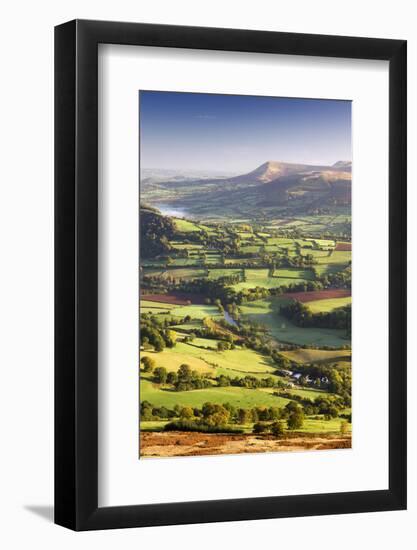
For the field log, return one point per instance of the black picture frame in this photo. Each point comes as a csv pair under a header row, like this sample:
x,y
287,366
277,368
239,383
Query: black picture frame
x,y
76,272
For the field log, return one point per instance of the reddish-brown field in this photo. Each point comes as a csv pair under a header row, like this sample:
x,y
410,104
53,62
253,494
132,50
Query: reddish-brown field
x,y
343,247
168,444
177,299
318,294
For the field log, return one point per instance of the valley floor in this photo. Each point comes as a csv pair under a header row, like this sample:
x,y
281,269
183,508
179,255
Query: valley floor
x,y
174,444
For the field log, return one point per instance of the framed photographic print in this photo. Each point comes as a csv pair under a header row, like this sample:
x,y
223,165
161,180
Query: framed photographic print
x,y
230,275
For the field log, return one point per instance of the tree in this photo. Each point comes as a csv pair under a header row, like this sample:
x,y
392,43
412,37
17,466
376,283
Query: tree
x,y
260,427
184,373
221,346
244,416
160,374
186,413
145,342
148,364
215,415
277,429
223,381
146,411
296,419
170,338
274,413
292,406
159,344
333,411
172,377
343,427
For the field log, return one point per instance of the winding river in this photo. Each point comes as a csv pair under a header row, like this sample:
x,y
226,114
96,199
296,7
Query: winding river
x,y
229,319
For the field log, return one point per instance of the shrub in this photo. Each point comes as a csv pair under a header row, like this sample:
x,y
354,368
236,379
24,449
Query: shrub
x,y
277,429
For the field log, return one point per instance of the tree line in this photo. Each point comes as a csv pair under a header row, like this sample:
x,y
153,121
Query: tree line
x,y
223,417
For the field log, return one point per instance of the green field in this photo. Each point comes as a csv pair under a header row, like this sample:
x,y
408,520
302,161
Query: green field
x,y
185,226
154,308
238,362
329,305
315,355
293,273
266,312
281,277
336,257
311,393
178,245
322,426
195,311
311,426
188,327
192,261
239,397
217,273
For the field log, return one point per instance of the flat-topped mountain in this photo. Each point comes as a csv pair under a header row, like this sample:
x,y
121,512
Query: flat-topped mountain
x,y
296,187
272,170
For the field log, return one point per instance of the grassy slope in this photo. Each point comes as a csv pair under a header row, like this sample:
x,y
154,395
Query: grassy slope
x,y
238,362
158,305
267,313
321,426
328,305
311,426
195,311
185,226
240,397
217,273
337,257
315,355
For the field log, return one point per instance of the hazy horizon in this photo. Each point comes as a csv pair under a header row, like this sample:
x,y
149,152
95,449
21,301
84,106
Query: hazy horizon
x,y
212,132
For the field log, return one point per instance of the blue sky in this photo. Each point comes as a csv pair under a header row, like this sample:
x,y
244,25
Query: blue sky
x,y
238,133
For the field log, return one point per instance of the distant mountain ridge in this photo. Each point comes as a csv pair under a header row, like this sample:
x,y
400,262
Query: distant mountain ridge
x,y
271,170
302,185
299,188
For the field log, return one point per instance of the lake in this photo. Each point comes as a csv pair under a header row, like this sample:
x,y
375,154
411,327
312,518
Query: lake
x,y
167,210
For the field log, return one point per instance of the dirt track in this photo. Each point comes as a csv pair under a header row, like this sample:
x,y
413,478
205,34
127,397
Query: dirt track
x,y
168,444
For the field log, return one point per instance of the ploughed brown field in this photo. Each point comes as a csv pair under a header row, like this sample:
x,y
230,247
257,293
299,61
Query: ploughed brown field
x,y
169,444
318,294
343,247
178,299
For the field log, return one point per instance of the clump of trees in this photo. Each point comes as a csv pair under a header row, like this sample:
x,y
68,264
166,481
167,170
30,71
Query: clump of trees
x,y
154,333
277,428
151,412
295,419
160,375
328,406
212,417
302,316
250,382
187,379
148,364
155,232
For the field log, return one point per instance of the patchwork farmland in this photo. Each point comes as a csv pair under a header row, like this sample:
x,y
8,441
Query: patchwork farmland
x,y
245,332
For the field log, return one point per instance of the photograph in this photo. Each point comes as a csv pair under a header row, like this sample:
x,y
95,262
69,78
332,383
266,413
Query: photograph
x,y
188,192
245,274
